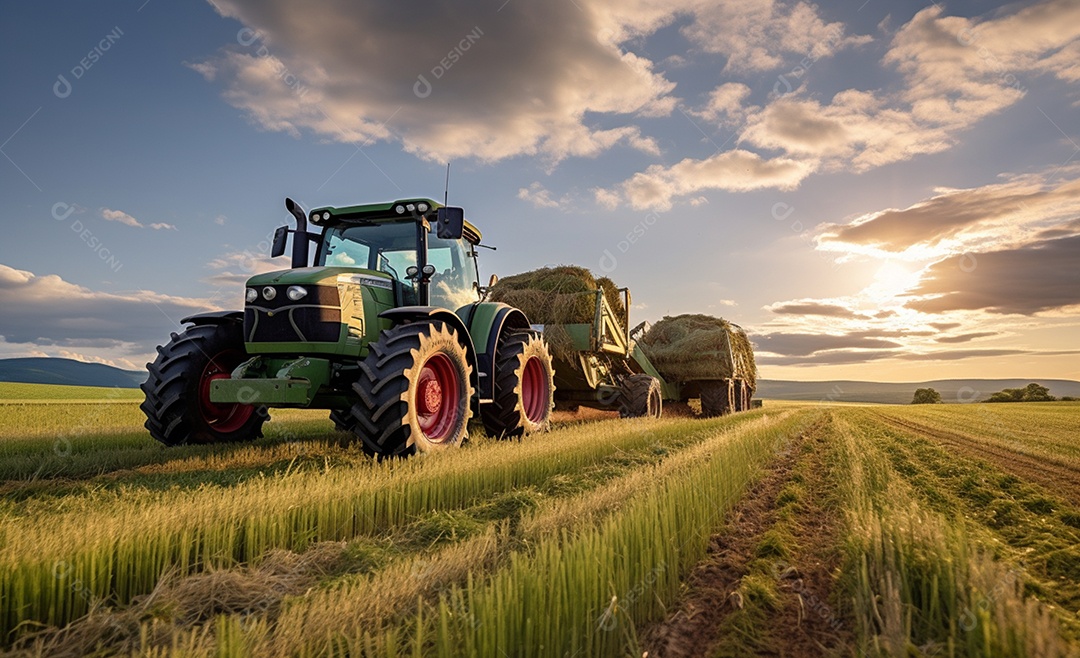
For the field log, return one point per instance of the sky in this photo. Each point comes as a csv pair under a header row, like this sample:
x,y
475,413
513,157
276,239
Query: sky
x,y
875,190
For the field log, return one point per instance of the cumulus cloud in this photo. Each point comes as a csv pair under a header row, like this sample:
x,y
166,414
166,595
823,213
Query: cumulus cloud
x,y
231,270
539,196
451,81
954,72
124,218
735,171
763,35
46,310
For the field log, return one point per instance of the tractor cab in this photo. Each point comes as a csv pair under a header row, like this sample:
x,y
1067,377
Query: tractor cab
x,y
427,249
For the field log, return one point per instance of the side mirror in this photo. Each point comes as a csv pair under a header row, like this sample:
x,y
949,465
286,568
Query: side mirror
x,y
450,223
281,235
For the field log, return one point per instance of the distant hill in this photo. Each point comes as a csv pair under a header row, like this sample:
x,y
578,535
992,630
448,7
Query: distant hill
x,y
67,371
951,390
77,373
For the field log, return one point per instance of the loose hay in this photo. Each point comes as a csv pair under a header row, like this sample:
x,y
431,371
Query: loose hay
x,y
694,347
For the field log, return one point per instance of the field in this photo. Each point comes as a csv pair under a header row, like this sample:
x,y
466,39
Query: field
x,y
798,529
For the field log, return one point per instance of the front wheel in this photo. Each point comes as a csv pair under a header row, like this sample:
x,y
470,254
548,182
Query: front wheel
x,y
524,387
414,391
178,407
640,397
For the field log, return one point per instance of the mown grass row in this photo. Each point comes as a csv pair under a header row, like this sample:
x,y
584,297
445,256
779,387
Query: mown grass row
x,y
920,582
53,567
577,590
1047,430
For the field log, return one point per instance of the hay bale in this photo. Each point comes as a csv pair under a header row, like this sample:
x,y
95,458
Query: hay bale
x,y
694,347
557,295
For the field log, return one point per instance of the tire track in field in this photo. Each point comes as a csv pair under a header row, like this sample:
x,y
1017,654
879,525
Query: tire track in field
x,y
1061,479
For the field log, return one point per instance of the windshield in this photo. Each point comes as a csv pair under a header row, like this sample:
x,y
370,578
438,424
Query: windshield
x,y
391,247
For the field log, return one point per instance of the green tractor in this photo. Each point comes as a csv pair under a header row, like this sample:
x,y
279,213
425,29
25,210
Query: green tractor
x,y
386,330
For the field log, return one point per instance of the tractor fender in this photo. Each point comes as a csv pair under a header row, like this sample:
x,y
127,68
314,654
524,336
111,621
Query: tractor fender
x,y
487,321
406,314
216,317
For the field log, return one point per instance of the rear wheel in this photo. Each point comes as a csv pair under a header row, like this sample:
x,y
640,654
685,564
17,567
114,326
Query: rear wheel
x,y
414,391
715,398
178,407
640,396
524,387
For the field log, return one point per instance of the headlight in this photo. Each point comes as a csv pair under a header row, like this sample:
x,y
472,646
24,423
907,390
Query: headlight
x,y
399,209
269,293
422,207
326,215
411,271
429,269
296,293
251,295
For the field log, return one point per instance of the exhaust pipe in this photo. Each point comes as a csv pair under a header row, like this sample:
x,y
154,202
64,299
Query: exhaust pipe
x,y
300,236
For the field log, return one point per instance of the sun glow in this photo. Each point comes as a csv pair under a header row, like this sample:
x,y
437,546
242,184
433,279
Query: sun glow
x,y
891,280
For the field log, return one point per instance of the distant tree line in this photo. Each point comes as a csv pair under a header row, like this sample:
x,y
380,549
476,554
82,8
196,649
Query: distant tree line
x,y
1031,393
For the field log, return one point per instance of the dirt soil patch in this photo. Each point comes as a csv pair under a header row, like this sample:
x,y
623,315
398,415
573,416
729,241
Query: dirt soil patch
x,y
807,623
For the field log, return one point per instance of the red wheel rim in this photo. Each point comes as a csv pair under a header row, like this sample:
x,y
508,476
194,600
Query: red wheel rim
x,y
224,418
534,390
438,398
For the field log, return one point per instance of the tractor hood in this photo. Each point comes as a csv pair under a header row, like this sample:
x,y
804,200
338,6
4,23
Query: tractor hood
x,y
321,275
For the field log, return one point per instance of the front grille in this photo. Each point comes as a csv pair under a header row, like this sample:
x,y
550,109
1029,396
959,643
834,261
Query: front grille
x,y
316,318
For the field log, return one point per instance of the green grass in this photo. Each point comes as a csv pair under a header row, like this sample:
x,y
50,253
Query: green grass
x,y
570,541
55,393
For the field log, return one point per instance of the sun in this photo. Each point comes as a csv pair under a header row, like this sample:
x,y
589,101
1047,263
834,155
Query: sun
x,y
891,280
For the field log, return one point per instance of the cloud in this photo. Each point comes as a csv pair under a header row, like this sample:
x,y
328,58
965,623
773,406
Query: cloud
x,y
956,355
45,310
1034,278
231,270
995,214
764,35
538,196
964,338
831,357
452,81
812,307
725,103
734,171
944,326
805,344
954,72
124,218
119,216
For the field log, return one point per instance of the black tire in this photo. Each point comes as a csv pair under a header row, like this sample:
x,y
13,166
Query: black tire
x,y
640,397
342,419
178,411
524,387
391,418
714,399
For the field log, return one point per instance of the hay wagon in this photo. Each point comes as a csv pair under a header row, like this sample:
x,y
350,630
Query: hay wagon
x,y
601,363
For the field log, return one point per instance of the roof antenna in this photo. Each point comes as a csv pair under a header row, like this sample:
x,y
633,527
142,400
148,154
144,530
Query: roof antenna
x,y
446,193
